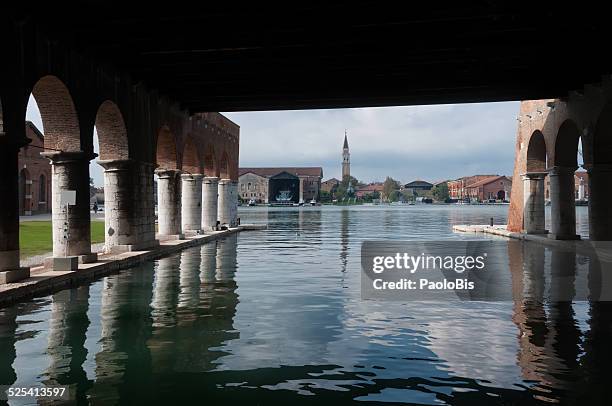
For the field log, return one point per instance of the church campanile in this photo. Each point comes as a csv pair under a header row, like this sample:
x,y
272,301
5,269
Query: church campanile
x,y
346,159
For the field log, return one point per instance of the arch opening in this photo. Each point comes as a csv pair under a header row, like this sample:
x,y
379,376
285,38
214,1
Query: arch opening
x,y
567,145
59,117
536,153
191,157
111,132
224,167
210,162
165,155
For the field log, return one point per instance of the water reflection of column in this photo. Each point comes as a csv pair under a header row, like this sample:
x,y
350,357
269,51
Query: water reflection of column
x,y
66,343
8,328
226,258
597,358
164,312
208,266
527,267
189,280
123,364
344,238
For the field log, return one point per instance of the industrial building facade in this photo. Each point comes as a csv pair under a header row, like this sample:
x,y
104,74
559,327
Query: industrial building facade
x,y
256,183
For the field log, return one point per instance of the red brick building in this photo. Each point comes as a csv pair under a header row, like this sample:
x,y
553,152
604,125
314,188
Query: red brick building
x,y
491,188
369,189
457,188
34,175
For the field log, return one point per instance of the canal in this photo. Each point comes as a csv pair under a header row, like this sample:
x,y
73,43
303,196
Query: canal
x,y
276,317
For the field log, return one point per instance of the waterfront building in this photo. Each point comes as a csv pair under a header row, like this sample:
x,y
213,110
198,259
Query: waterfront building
x,y
457,187
329,185
363,191
309,181
494,187
284,188
34,175
417,186
252,186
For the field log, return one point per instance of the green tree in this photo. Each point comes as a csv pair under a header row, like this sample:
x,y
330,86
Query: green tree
x,y
390,186
440,192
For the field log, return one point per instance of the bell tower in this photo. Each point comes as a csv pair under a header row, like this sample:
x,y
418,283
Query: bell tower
x,y
346,159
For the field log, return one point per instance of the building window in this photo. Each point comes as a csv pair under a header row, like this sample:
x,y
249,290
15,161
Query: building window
x,y
249,186
42,189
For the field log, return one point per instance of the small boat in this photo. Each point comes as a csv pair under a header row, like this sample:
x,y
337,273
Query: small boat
x,y
313,202
251,202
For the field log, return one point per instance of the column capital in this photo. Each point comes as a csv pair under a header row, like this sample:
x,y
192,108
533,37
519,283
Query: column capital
x,y
191,176
167,173
60,157
534,175
225,181
115,164
561,170
210,179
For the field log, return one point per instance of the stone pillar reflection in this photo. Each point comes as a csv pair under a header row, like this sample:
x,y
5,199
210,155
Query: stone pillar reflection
x,y
533,207
191,203
210,194
70,171
563,203
169,203
600,202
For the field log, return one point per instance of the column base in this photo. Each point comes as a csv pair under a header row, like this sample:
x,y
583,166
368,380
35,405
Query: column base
x,y
120,249
563,237
536,232
14,275
64,264
168,237
193,233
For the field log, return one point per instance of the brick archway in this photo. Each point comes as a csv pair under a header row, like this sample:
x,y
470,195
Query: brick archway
x,y
224,172
210,161
112,133
566,145
165,155
536,153
191,157
59,116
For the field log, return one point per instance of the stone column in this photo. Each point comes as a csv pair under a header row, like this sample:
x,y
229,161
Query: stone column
x,y
301,190
225,210
234,203
563,203
70,171
128,215
210,194
191,202
10,271
169,204
533,207
600,202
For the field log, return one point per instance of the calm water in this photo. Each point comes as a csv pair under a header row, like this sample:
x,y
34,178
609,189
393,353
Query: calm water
x,y
276,317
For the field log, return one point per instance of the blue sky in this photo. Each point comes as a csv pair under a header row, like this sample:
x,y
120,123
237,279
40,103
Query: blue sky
x,y
414,142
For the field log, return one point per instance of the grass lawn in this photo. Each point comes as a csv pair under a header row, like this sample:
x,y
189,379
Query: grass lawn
x,y
35,236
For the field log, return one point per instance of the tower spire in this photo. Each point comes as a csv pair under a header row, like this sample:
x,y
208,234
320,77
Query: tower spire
x,y
346,159
345,140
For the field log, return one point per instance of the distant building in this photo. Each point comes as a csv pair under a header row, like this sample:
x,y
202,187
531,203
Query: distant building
x,y
34,175
329,185
309,179
346,159
284,188
417,186
457,187
252,186
369,189
494,187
